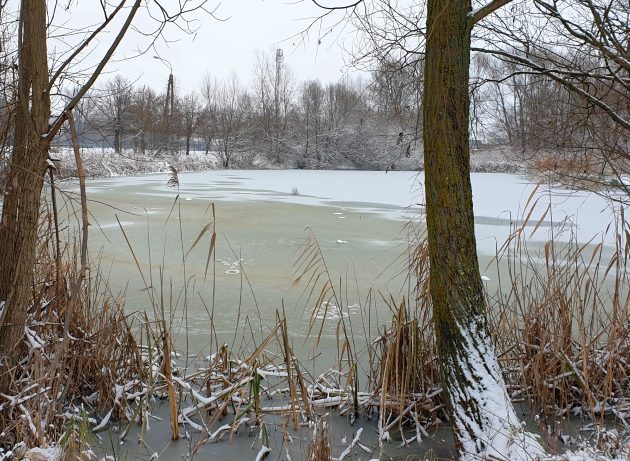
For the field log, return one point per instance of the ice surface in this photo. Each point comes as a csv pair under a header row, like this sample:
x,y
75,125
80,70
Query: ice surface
x,y
499,198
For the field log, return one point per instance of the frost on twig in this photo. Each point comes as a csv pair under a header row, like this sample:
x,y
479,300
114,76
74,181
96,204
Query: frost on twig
x,y
262,454
349,448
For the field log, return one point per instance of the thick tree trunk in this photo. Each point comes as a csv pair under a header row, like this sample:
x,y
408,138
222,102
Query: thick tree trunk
x,y
485,424
21,207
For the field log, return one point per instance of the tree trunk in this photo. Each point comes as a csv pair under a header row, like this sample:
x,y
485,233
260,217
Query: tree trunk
x,y
485,424
117,139
20,213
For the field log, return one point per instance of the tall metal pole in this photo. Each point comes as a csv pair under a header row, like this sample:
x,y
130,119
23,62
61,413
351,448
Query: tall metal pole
x,y
277,87
169,100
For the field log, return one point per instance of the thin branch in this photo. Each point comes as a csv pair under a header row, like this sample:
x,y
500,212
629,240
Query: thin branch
x,y
56,125
85,43
333,8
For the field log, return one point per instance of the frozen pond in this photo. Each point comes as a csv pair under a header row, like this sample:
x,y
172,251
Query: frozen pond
x,y
362,223
359,219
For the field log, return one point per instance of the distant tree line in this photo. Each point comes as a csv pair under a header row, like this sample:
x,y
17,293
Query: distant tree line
x,y
518,91
275,119
374,123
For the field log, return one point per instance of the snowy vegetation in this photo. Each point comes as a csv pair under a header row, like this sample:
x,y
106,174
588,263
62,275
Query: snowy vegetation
x,y
72,363
274,120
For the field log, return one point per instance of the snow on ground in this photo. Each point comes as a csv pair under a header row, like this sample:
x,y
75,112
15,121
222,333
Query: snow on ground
x,y
44,454
107,164
495,160
592,454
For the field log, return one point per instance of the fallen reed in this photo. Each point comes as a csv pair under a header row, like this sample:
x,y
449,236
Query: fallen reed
x,y
80,358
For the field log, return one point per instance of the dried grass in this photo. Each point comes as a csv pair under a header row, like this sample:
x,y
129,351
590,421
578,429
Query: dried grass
x,y
319,445
560,319
56,382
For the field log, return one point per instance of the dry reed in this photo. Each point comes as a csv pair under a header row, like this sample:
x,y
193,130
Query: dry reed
x,y
560,321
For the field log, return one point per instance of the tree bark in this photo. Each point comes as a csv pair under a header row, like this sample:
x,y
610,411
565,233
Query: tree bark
x,y
21,208
485,424
455,279
117,139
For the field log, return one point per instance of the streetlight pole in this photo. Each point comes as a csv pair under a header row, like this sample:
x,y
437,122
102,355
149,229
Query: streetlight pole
x,y
170,98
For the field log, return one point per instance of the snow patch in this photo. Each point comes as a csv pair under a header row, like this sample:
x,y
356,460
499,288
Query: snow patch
x,y
33,339
44,454
264,451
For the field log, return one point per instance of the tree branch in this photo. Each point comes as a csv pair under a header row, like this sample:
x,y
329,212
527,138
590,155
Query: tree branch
x,y
79,49
480,13
59,121
332,8
563,80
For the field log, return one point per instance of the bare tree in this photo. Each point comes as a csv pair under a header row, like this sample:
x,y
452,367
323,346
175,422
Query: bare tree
x,y
208,116
312,101
580,55
145,118
34,131
233,105
114,110
273,90
190,117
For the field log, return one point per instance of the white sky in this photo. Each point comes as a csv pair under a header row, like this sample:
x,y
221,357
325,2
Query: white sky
x,y
218,48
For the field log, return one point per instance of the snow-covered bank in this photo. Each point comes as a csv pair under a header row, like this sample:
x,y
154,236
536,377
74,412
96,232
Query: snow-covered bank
x,y
99,163
499,159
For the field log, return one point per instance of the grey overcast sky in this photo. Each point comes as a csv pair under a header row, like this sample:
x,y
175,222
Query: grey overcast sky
x,y
219,48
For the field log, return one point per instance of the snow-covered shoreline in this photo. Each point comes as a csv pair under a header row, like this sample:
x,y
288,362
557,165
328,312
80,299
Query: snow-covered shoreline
x,y
98,164
102,164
